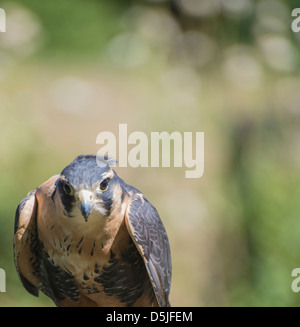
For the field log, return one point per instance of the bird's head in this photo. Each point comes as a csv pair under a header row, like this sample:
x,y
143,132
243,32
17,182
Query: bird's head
x,y
87,186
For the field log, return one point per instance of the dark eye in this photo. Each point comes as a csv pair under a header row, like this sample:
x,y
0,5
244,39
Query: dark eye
x,y
68,189
103,185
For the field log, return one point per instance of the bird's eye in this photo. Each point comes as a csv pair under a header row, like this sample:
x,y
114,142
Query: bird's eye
x,y
68,189
103,186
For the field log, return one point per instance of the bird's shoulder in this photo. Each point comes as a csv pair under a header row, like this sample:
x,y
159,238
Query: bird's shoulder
x,y
46,189
130,191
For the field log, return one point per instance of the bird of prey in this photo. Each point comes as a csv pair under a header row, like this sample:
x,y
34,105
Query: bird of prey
x,y
86,238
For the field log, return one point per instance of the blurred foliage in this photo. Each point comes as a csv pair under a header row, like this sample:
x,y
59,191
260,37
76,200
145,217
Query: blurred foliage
x,y
230,68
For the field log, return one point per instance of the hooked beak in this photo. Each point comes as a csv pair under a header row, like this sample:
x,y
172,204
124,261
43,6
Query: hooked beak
x,y
86,199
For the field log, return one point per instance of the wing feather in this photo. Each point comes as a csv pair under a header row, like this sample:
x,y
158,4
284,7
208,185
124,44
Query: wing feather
x,y
148,233
25,243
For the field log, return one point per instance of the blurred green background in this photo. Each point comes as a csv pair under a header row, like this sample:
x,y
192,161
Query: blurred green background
x,y
230,68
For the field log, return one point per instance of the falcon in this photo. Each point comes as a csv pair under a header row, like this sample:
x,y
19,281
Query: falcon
x,y
86,238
